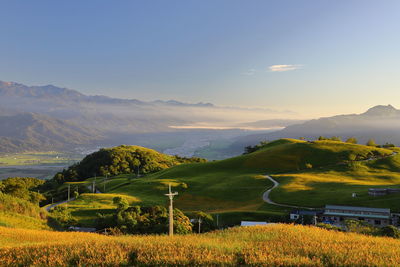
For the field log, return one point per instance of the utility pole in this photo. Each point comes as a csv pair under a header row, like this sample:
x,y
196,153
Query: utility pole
x,y
217,220
171,195
69,191
104,184
94,184
137,174
199,220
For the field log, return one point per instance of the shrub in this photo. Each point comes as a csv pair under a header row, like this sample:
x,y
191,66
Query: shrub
x,y
60,217
328,226
390,231
352,140
371,142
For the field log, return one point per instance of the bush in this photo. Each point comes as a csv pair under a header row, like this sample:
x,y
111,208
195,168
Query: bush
x,y
21,187
352,140
356,226
309,166
60,217
251,149
142,220
390,231
328,226
371,142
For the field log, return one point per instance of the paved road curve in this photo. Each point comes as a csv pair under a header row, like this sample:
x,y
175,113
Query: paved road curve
x,y
269,201
48,208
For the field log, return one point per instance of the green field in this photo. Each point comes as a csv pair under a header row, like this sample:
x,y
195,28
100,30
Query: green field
x,y
38,158
312,174
335,185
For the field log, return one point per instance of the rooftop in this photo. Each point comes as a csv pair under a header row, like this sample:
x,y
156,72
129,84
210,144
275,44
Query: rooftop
x,y
350,208
248,223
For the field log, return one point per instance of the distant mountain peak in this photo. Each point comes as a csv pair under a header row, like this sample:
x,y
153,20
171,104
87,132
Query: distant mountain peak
x,y
382,110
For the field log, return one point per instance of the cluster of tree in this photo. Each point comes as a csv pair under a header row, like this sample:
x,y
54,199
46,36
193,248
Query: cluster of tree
x,y
142,220
333,138
18,195
23,188
361,227
61,218
353,140
120,160
251,149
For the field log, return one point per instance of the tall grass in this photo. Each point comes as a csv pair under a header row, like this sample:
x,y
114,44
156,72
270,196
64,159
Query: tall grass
x,y
274,245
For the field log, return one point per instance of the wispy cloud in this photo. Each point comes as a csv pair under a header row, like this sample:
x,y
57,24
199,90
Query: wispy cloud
x,y
281,68
249,72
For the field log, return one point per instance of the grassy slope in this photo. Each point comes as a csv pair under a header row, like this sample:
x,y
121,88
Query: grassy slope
x,y
274,245
15,220
87,206
236,184
18,213
335,185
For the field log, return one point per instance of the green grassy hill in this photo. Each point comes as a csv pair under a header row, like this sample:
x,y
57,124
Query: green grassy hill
x,y
336,184
235,186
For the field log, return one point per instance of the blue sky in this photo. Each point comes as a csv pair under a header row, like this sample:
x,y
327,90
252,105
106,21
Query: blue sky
x,y
313,57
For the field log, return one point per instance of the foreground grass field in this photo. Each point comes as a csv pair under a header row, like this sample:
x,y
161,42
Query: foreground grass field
x,y
236,185
274,245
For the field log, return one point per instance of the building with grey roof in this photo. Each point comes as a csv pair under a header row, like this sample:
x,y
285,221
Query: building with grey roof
x,y
334,214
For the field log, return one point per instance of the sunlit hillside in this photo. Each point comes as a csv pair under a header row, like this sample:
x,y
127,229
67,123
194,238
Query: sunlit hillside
x,y
237,184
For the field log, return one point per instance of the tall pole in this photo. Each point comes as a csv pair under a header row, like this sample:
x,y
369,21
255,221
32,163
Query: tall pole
x,y
94,184
69,191
171,195
199,225
104,184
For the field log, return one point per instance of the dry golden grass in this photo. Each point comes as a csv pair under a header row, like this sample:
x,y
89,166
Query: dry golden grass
x,y
274,245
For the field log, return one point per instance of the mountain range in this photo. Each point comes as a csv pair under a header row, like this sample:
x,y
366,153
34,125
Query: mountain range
x,y
50,117
381,123
53,118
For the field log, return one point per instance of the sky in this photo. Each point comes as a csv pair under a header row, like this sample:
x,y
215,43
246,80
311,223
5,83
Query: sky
x,y
314,57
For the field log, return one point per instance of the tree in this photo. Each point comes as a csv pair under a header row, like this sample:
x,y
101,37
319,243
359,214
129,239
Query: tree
x,y
336,138
143,220
121,160
371,142
352,140
121,202
22,187
207,221
391,231
352,157
61,217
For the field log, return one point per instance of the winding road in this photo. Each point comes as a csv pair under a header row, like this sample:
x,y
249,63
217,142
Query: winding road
x,y
48,208
269,201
